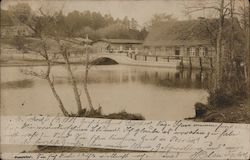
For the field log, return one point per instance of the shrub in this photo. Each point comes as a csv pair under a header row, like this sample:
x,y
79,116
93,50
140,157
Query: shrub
x,y
125,116
221,98
97,113
200,109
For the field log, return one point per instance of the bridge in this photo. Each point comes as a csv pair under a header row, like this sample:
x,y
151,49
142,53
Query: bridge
x,y
141,60
137,60
154,60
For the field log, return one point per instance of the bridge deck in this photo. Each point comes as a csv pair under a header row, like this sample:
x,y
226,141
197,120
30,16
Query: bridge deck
x,y
126,60
151,60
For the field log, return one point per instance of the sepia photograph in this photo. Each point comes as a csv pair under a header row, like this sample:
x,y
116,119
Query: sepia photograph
x,y
128,61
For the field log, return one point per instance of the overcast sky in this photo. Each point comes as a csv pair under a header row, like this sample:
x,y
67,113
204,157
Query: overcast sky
x,y
141,10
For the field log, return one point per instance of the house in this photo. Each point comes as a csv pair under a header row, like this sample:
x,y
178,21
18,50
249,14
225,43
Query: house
x,y
83,40
191,38
116,45
17,30
9,28
79,40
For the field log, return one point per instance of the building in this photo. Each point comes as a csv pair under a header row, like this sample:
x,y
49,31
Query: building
x,y
192,38
9,28
79,40
18,30
116,45
83,41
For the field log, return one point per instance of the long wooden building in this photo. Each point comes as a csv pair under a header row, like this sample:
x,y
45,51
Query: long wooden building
x,y
191,38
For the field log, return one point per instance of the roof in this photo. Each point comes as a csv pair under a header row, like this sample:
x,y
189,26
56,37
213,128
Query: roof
x,y
176,42
78,40
86,40
121,41
189,32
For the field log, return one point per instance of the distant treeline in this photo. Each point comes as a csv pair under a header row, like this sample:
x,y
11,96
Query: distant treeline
x,y
99,26
76,24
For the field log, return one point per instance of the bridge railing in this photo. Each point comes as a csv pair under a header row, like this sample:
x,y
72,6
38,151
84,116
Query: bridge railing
x,y
185,61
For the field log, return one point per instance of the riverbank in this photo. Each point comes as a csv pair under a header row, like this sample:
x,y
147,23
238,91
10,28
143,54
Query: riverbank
x,y
95,113
30,63
239,113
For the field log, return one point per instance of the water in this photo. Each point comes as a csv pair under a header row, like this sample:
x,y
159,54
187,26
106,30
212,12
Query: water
x,y
156,93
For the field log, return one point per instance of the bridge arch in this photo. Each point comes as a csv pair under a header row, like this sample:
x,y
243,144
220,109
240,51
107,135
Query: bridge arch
x,y
104,61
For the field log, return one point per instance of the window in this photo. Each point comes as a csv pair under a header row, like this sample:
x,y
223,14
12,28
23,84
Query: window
x,y
192,51
203,51
197,52
177,51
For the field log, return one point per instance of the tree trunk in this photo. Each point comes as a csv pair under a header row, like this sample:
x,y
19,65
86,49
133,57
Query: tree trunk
x,y
232,32
73,83
219,49
246,27
85,83
65,113
59,101
248,50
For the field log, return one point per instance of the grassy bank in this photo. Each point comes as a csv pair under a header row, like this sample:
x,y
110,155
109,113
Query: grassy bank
x,y
97,113
10,56
16,62
24,63
237,113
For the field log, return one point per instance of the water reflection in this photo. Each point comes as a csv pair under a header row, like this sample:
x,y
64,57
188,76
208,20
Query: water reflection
x,y
156,93
162,78
181,79
26,83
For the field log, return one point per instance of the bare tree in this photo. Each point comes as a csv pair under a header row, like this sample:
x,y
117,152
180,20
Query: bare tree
x,y
232,5
21,14
65,54
219,46
85,82
229,81
64,48
248,49
47,75
247,53
51,83
222,10
244,14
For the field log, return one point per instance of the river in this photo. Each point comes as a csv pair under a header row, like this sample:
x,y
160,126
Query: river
x,y
156,93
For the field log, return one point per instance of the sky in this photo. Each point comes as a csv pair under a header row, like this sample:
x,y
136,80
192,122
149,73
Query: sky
x,y
141,10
